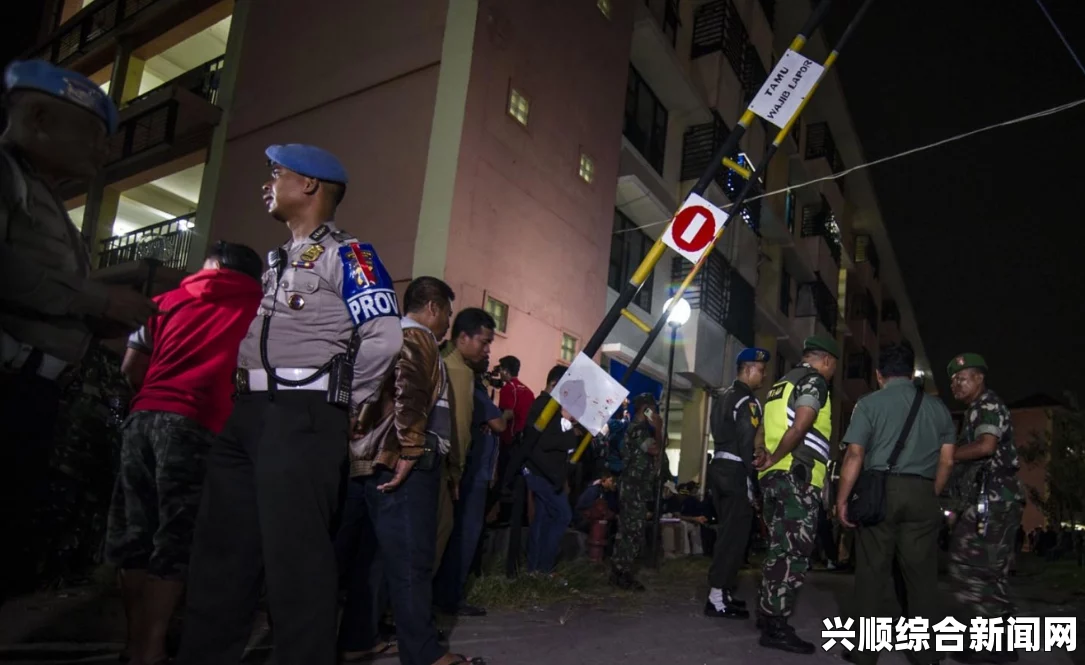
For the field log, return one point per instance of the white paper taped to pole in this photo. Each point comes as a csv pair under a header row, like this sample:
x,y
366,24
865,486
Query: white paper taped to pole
x,y
789,83
589,394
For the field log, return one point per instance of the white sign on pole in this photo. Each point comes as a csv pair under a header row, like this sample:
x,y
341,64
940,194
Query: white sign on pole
x,y
694,228
788,84
589,394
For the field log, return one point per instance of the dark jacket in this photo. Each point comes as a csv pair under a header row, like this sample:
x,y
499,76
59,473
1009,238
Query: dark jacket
x,y
551,450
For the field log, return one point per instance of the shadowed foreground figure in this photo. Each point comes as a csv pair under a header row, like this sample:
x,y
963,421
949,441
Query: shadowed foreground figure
x,y
640,459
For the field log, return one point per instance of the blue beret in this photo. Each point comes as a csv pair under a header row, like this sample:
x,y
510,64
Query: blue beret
x,y
309,161
63,84
753,355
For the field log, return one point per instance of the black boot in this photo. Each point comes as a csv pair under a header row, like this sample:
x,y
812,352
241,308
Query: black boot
x,y
623,579
779,635
731,601
728,611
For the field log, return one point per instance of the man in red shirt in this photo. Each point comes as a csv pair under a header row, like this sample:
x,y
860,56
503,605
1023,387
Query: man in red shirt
x,y
515,400
181,364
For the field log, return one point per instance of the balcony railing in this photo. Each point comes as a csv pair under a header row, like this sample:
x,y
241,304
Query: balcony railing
x,y
699,144
819,221
202,81
168,242
721,293
717,27
820,143
815,299
94,23
150,129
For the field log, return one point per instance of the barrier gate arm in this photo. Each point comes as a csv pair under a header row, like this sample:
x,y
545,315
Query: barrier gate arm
x,y
718,160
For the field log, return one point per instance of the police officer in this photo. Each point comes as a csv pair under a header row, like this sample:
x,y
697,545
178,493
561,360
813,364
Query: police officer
x,y
983,536
736,420
326,333
640,457
50,309
798,424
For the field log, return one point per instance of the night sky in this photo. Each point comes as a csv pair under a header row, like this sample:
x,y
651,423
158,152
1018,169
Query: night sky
x,y
987,231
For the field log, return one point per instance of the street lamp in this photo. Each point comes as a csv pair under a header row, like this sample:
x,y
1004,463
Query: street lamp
x,y
677,318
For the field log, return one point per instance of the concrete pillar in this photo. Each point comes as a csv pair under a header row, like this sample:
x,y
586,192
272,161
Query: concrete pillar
x,y
100,212
217,150
693,436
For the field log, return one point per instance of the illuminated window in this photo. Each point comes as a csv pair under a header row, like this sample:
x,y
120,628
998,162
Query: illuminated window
x,y
604,6
498,310
518,106
568,348
587,168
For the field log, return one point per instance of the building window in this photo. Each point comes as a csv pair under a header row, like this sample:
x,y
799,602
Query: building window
x,y
568,348
518,106
587,168
628,247
604,6
500,312
645,121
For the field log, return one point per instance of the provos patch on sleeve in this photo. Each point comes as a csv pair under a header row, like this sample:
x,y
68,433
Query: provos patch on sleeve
x,y
367,287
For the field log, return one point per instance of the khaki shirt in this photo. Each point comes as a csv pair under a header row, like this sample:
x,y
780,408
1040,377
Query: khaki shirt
x,y
47,293
461,383
879,418
312,309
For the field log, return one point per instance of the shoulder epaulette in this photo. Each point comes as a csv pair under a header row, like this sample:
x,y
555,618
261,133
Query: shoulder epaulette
x,y
343,237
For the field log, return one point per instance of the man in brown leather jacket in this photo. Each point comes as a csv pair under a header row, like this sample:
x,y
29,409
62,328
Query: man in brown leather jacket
x,y
396,454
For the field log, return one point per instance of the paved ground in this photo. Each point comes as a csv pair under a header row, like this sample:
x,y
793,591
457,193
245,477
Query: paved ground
x,y
86,626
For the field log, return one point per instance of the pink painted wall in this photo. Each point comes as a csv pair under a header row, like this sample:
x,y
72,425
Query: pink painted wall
x,y
524,226
356,78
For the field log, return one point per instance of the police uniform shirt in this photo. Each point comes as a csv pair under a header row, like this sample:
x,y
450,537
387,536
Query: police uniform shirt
x,y
879,417
735,420
44,267
316,295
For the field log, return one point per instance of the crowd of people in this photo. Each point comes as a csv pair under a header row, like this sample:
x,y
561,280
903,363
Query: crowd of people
x,y
301,434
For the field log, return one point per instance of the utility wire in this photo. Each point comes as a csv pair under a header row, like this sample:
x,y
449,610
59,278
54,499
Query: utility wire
x,y
1061,36
899,155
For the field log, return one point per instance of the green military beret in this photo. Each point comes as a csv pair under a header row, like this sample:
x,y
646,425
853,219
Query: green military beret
x,y
966,361
821,343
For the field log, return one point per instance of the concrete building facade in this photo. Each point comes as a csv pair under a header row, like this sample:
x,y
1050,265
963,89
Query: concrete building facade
x,y
528,153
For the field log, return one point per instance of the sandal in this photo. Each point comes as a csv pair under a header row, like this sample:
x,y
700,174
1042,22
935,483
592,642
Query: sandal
x,y
389,648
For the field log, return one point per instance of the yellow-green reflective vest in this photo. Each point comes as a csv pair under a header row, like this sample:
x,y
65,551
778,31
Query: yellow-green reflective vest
x,y
813,452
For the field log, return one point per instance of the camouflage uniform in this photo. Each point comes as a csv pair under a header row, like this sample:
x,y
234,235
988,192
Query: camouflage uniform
x,y
979,563
157,494
634,494
791,512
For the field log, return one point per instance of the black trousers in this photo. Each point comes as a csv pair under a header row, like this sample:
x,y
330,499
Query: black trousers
x,y
28,413
398,532
272,486
727,482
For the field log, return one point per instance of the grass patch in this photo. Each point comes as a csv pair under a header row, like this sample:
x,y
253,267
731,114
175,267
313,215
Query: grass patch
x,y
580,582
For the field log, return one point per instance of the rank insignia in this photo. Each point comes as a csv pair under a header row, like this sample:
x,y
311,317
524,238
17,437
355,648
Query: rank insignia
x,y
755,417
304,265
295,301
312,253
319,234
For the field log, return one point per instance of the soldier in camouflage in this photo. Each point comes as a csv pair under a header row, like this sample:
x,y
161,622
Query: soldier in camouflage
x,y
792,465
983,537
640,461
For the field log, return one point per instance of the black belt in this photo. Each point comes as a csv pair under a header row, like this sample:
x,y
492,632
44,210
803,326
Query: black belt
x,y
911,475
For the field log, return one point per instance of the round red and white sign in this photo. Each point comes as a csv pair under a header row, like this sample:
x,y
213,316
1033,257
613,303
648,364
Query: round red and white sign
x,y
693,229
